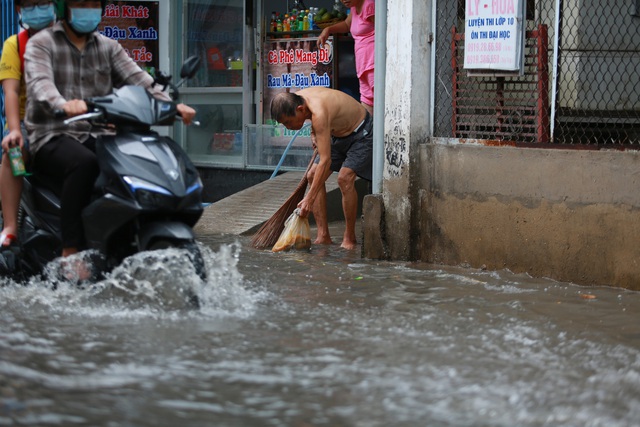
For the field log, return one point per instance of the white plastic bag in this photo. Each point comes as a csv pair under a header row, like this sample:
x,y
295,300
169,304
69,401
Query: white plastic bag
x,y
296,234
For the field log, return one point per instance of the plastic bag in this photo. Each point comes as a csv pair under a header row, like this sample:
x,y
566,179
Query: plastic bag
x,y
296,234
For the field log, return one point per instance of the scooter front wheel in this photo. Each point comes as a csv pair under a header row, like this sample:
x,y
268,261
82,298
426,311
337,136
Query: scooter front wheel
x,y
195,255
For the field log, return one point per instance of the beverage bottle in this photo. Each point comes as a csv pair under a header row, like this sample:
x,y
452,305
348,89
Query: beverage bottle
x,y
305,23
16,162
279,24
310,17
286,25
273,22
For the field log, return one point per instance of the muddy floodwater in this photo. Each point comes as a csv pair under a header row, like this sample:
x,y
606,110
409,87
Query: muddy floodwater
x,y
319,338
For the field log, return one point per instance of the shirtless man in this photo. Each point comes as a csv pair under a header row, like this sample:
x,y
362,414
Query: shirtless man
x,y
342,132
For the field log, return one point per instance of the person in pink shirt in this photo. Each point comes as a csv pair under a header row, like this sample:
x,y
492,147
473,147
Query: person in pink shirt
x,y
361,24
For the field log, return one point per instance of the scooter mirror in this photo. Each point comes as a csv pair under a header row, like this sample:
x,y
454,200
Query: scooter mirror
x,y
190,66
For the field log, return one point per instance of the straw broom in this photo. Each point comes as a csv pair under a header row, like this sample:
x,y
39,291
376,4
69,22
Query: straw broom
x,y
268,234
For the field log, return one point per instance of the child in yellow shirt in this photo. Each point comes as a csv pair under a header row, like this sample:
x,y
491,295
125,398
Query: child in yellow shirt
x,y
34,16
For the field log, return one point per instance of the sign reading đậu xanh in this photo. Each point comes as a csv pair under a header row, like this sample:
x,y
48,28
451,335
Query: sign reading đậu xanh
x,y
291,64
134,24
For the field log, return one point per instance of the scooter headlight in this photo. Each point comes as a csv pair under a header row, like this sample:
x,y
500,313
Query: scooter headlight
x,y
141,184
150,195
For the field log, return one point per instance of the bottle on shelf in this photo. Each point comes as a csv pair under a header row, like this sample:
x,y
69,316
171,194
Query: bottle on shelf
x,y
310,17
286,24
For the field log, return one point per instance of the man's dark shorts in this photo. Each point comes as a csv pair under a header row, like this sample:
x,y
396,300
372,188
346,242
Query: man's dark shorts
x,y
354,151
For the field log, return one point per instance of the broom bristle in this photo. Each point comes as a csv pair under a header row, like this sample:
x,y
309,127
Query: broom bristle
x,y
269,233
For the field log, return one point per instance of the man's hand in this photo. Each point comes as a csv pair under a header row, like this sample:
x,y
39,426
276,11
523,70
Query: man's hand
x,y
75,107
187,113
306,207
13,139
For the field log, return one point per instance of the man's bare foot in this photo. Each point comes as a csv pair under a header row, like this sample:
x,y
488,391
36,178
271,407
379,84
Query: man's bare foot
x,y
323,241
349,245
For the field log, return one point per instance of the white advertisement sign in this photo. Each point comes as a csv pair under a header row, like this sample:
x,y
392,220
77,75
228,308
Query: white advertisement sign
x,y
494,34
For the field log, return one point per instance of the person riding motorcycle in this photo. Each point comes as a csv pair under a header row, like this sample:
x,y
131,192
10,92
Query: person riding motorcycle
x,y
87,64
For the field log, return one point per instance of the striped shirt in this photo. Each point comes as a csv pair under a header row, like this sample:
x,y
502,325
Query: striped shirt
x,y
57,72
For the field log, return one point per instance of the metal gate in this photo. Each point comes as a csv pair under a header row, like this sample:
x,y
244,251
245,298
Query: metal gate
x,y
590,96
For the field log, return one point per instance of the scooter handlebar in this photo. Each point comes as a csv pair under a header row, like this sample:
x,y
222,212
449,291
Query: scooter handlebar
x,y
193,122
85,116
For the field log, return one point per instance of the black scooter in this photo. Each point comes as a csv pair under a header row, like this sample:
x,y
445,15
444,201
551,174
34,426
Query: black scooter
x,y
147,196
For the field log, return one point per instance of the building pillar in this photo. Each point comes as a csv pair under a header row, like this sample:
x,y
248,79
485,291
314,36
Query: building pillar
x,y
406,123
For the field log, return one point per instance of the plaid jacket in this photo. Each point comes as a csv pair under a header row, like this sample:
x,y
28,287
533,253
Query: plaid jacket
x,y
57,72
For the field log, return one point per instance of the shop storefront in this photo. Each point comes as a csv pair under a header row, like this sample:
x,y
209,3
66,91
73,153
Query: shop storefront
x,y
245,63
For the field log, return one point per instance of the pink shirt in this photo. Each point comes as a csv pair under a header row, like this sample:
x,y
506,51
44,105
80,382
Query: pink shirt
x,y
363,32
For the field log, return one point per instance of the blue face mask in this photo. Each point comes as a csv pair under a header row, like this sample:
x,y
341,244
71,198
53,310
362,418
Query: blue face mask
x,y
37,18
85,20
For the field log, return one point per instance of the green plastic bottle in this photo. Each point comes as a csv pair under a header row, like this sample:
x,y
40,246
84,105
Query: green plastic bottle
x,y
17,163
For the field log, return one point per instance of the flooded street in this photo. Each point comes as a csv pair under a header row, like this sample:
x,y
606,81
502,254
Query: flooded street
x,y
320,338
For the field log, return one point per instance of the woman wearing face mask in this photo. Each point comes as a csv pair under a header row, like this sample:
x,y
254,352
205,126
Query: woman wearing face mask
x,y
34,16
64,65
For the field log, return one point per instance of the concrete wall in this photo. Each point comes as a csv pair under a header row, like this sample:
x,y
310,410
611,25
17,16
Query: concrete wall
x,y
571,215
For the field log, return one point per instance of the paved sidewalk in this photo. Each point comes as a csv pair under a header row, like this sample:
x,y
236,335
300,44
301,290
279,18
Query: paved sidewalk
x,y
243,213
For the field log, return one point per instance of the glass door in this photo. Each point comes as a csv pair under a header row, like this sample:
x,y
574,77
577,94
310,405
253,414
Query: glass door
x,y
215,31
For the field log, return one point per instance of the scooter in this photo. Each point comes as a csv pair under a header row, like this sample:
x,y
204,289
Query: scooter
x,y
147,196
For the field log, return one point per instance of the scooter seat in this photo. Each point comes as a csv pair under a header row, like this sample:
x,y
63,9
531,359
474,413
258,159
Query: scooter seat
x,y
45,194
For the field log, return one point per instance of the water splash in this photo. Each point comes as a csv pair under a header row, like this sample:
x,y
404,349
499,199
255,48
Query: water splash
x,y
153,283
